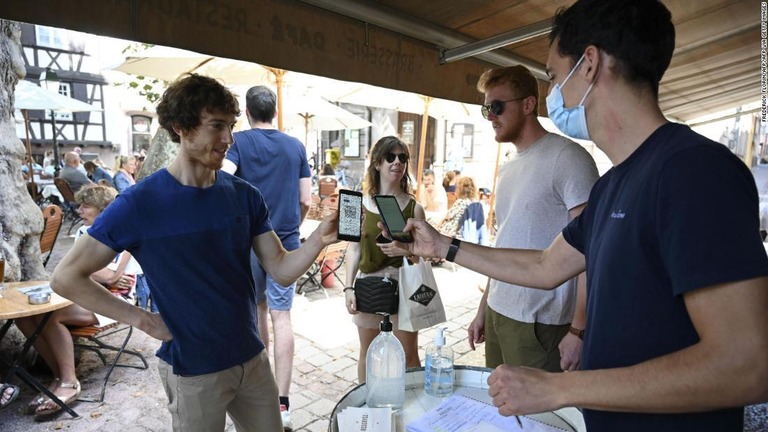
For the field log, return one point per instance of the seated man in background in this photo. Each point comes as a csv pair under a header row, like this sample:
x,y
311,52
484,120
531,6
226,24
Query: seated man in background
x,y
71,172
433,198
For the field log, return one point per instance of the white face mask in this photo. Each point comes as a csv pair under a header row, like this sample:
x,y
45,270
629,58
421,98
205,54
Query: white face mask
x,y
570,121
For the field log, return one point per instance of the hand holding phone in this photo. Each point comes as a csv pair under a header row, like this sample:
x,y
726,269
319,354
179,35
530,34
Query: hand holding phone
x,y
393,218
350,215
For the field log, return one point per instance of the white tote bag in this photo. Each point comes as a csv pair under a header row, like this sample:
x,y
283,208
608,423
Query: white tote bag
x,y
420,303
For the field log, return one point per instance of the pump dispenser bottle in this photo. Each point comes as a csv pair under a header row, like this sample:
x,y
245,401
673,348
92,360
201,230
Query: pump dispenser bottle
x,y
385,369
439,375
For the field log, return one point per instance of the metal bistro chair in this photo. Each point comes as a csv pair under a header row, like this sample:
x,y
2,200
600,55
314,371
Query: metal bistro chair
x,y
52,218
69,197
93,340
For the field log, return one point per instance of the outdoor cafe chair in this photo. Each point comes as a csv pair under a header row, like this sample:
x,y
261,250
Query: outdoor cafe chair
x,y
93,338
70,204
52,218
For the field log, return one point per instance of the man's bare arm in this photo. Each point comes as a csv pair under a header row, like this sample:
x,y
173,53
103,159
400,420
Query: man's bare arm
x,y
72,279
726,368
305,196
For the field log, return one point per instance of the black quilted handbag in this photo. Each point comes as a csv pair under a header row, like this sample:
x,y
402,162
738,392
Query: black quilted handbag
x,y
376,294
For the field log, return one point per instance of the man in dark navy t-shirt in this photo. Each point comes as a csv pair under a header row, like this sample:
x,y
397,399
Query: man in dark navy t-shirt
x,y
677,276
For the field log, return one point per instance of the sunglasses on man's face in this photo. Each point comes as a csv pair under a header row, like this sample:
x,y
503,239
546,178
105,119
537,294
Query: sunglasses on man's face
x,y
390,157
496,107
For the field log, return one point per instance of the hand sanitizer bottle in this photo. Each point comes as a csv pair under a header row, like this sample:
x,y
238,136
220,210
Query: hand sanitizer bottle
x,y
438,371
385,369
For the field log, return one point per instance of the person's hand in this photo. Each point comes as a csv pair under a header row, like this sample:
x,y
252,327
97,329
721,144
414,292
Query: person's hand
x,y
426,239
522,390
476,331
156,327
124,282
350,301
570,352
329,228
390,249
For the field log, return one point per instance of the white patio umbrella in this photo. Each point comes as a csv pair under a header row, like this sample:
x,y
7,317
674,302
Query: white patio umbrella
x,y
28,96
167,64
314,113
364,94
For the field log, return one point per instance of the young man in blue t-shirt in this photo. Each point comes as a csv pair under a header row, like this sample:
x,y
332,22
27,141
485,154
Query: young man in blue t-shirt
x,y
276,164
192,228
677,293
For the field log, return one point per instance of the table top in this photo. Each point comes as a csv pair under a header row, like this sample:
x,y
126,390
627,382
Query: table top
x,y
14,304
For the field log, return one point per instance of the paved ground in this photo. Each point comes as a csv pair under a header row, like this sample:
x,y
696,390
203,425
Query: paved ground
x,y
324,368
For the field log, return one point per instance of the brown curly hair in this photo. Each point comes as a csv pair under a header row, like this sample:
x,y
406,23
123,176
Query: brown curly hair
x,y
380,149
186,98
465,188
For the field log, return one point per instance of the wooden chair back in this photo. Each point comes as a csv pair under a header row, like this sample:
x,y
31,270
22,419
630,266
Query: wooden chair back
x,y
327,186
65,189
52,219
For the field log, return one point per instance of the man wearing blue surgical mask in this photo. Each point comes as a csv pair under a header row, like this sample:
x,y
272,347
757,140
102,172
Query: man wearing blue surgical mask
x,y
677,293
543,187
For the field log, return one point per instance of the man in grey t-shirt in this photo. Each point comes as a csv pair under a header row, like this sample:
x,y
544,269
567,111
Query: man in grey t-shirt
x,y
71,172
545,185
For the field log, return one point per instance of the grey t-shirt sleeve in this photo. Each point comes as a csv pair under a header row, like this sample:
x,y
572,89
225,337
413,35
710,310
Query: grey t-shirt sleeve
x,y
574,175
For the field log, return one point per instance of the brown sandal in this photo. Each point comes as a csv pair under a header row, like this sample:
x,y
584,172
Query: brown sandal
x,y
44,414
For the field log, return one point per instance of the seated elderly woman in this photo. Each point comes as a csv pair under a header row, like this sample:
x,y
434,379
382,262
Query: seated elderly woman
x,y
55,344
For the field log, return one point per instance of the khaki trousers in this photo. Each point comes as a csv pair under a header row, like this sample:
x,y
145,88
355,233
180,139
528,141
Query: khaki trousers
x,y
247,392
516,343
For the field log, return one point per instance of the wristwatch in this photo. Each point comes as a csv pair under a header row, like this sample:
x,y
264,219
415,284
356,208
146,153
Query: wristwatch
x,y
577,332
453,249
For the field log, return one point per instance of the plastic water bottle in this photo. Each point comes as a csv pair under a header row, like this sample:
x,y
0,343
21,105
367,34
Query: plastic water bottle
x,y
385,369
439,375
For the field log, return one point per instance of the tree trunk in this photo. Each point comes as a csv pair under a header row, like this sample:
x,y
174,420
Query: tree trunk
x,y
21,221
161,153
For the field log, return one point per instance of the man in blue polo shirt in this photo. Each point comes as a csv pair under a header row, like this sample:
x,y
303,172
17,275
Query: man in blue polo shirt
x,y
677,291
276,164
192,227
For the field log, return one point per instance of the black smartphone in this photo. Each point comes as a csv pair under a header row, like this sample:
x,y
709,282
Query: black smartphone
x,y
350,215
393,218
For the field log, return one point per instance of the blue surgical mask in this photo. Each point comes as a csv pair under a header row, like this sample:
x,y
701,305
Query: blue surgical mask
x,y
570,121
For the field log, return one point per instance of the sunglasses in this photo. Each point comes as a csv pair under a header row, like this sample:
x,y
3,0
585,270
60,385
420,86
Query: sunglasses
x,y
390,157
496,107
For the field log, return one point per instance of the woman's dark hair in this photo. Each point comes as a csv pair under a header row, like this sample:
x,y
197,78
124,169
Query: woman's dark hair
x,y
638,34
328,170
186,98
380,149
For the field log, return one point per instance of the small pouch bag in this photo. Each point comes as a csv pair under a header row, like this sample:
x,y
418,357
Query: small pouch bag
x,y
376,294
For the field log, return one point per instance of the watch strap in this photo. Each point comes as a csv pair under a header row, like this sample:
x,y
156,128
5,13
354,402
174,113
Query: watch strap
x,y
577,332
453,249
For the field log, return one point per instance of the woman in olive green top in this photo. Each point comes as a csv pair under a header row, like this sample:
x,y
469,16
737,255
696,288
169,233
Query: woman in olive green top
x,y
386,175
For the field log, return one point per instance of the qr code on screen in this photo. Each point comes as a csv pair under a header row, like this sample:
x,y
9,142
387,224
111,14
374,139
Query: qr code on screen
x,y
349,215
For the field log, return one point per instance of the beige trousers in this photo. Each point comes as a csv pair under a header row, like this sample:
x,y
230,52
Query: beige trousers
x,y
247,392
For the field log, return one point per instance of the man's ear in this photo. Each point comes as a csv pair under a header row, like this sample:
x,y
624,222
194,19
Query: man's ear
x,y
178,129
592,63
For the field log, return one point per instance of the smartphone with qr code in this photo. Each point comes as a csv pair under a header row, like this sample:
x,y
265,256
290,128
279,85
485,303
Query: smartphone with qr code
x,y
393,218
350,215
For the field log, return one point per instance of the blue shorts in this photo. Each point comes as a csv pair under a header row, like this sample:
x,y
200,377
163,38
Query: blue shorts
x,y
278,297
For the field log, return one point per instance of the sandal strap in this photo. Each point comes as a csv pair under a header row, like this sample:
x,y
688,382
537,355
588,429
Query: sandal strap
x,y
73,385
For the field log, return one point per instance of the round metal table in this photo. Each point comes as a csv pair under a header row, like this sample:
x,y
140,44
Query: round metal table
x,y
470,381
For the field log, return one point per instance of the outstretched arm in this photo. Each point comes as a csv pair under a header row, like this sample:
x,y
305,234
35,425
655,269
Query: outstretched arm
x,y
544,269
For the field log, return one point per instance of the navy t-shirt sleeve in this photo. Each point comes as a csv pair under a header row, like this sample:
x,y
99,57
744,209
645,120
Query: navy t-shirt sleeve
x,y
114,227
305,171
708,220
259,213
